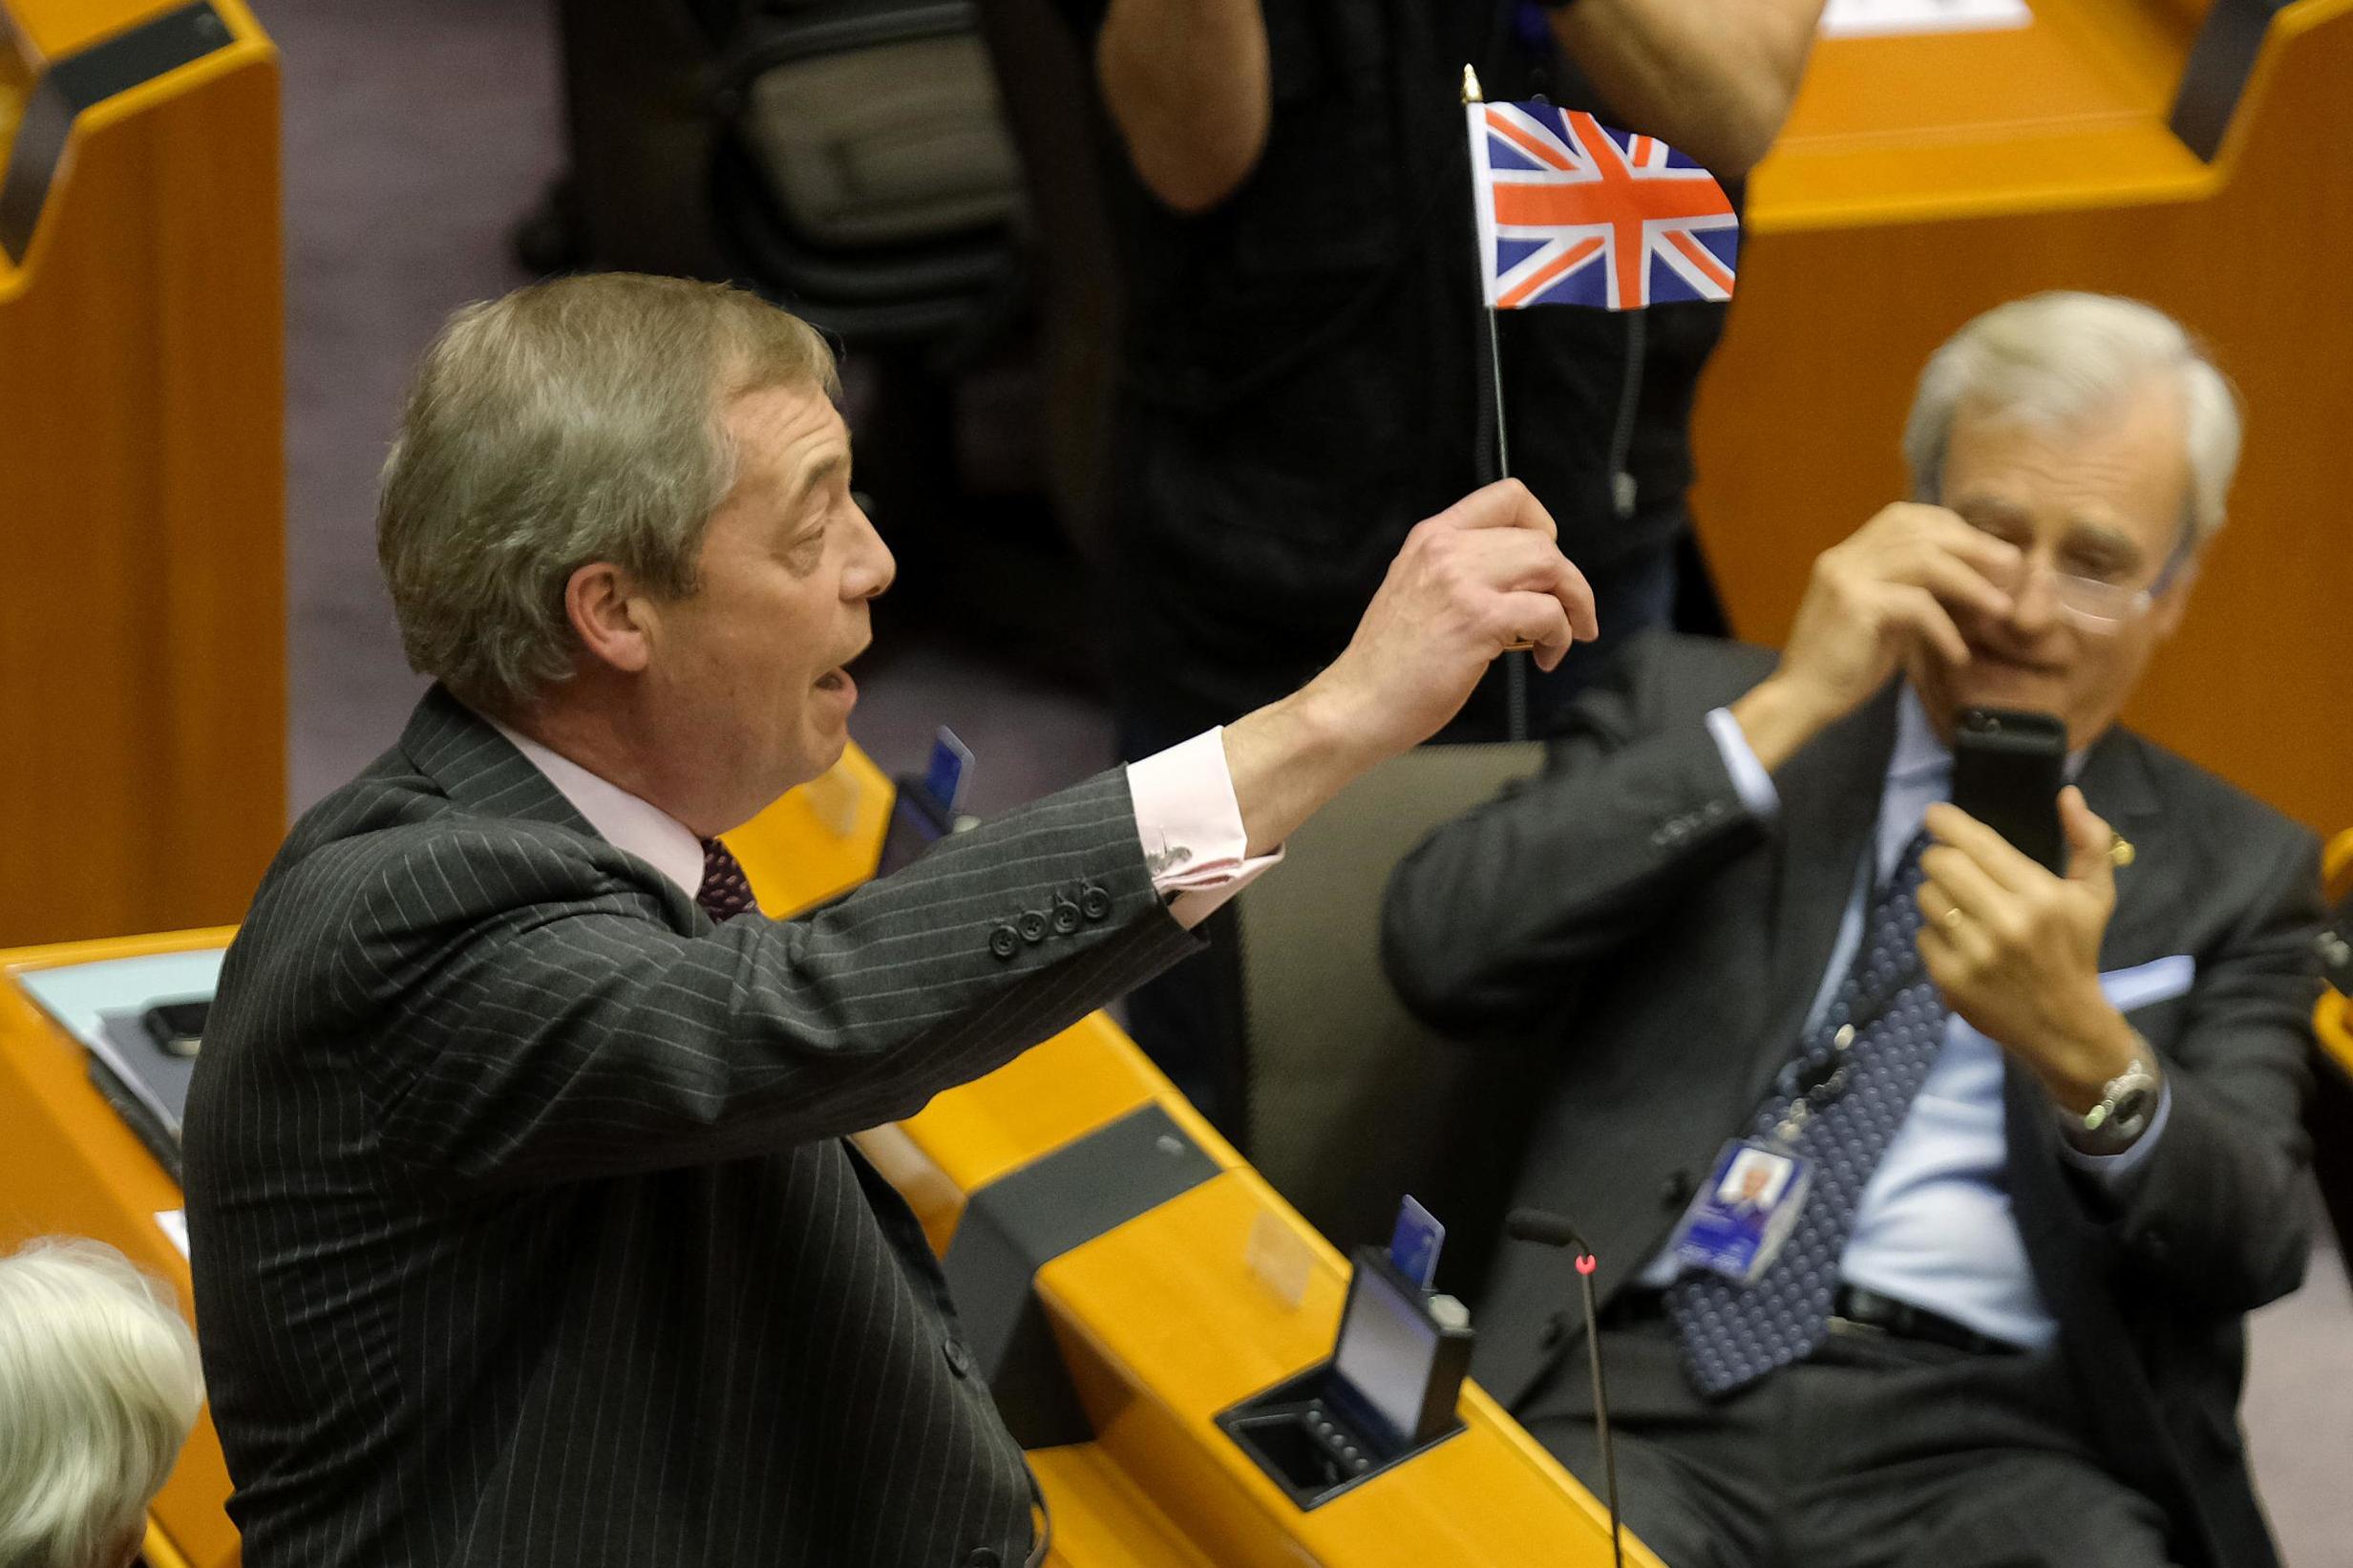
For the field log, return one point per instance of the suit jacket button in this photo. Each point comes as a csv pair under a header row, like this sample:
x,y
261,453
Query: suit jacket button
x,y
982,1557
1033,926
958,1359
1004,941
1676,1189
1066,917
1555,1330
1094,903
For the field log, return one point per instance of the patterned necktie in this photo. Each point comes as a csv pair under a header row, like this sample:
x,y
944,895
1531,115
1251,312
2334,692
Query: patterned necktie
x,y
1734,1333
726,893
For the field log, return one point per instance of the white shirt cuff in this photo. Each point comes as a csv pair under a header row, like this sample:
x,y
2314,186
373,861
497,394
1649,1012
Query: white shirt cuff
x,y
1191,829
1748,775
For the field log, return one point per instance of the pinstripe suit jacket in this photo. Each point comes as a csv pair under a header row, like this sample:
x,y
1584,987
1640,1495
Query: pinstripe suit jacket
x,y
523,1227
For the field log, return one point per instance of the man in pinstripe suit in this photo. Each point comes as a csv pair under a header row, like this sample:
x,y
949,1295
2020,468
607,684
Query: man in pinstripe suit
x,y
524,1230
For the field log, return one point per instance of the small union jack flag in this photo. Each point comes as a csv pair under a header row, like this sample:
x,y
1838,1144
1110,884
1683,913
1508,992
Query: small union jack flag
x,y
1572,212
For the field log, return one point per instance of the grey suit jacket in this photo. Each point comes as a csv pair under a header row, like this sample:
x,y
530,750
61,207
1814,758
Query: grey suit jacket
x,y
524,1228
1624,912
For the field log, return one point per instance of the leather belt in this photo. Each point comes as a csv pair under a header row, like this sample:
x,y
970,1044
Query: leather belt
x,y
1852,1309
1868,1309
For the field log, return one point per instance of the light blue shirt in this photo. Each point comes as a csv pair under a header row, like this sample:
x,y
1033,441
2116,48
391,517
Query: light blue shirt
x,y
1934,1227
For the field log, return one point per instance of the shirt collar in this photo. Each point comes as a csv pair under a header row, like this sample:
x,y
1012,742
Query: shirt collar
x,y
1919,755
622,819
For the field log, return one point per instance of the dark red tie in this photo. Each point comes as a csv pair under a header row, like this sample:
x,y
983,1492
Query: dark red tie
x,y
726,893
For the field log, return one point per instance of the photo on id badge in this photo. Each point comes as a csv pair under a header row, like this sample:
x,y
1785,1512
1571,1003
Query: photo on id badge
x,y
1754,1181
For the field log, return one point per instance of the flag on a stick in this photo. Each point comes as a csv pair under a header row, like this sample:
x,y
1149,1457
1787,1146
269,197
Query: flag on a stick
x,y
1572,212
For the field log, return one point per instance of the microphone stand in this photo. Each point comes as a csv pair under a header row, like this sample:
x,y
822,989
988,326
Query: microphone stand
x,y
1551,1230
1586,1263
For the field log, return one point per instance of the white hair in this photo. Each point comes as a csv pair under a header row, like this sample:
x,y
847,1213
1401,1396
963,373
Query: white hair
x,y
2051,359
98,1386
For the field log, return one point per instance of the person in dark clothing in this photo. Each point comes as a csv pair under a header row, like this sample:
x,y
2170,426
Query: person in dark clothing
x,y
2047,1118
1304,368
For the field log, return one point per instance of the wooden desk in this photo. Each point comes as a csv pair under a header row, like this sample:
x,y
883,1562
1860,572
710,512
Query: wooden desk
x,y
141,470
1164,1325
1161,1320
68,1166
1922,180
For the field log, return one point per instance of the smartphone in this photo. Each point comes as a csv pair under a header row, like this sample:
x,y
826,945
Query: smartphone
x,y
2008,768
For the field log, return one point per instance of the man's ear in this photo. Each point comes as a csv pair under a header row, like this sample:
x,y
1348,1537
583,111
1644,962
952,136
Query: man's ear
x,y
2167,610
609,617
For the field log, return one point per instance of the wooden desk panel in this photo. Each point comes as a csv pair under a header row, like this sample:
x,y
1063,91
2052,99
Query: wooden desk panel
x,y
142,480
1882,224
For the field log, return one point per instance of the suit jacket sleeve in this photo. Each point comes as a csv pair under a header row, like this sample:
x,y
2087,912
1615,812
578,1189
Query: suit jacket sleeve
x,y
2217,1215
522,1017
1494,920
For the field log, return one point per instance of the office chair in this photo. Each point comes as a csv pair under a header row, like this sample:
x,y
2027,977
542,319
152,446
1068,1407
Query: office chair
x,y
1350,1102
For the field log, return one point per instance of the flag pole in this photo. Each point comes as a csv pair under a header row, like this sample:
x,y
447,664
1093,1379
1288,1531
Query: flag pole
x,y
1516,656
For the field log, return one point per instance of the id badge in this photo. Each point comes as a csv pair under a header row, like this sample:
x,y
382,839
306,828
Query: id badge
x,y
1738,1220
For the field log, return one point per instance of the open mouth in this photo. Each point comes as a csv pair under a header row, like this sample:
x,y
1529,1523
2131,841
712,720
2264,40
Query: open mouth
x,y
838,678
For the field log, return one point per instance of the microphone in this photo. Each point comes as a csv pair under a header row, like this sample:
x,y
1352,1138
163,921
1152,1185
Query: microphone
x,y
1544,1227
1547,1229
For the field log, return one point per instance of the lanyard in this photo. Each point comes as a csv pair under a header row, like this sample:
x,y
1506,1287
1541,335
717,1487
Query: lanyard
x,y
1811,1082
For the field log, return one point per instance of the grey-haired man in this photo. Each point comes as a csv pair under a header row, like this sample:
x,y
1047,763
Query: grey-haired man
x,y
524,1228
2048,1122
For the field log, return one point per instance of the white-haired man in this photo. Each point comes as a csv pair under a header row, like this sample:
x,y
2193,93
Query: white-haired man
x,y
2047,1123
523,1221
98,1386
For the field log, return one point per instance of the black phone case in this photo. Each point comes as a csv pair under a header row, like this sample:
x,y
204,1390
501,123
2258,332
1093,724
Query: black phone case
x,y
2008,768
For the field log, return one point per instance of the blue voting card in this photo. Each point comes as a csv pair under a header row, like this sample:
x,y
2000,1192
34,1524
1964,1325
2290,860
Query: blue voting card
x,y
949,771
1413,1246
1738,1220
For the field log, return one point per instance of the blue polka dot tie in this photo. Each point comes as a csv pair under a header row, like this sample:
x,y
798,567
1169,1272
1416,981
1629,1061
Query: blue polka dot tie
x,y
1733,1333
726,892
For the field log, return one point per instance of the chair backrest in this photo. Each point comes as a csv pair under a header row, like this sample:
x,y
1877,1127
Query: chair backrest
x,y
1351,1102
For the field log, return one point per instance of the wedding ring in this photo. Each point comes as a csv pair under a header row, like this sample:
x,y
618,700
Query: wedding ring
x,y
2119,850
1952,917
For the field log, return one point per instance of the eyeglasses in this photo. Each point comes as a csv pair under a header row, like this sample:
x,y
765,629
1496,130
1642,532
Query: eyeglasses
x,y
2098,606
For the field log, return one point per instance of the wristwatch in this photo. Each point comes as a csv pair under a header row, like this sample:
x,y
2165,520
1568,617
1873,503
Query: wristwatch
x,y
2127,1102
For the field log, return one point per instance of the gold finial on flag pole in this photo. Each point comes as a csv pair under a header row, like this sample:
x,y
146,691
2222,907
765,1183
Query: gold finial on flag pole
x,y
1470,93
